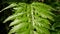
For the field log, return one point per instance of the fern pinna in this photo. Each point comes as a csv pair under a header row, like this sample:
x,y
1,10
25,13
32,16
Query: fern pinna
x,y
30,18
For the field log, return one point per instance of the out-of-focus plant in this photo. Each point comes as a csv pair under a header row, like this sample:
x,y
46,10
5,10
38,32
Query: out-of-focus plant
x,y
29,17
56,25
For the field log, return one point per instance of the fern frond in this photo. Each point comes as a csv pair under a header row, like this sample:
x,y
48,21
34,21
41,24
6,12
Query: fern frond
x,y
31,18
12,17
10,6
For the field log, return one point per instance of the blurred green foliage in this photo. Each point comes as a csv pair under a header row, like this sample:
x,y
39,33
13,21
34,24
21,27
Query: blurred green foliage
x,y
55,27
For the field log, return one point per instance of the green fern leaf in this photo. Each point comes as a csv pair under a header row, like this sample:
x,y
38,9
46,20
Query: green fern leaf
x,y
31,18
10,6
12,17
